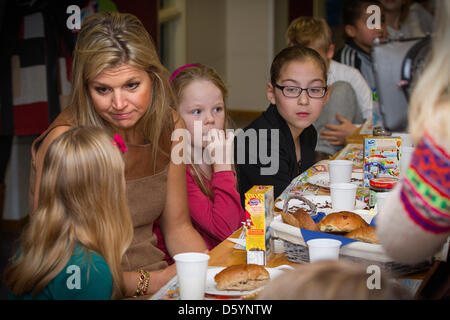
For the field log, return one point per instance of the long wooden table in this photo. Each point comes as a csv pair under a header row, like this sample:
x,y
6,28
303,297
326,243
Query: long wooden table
x,y
224,255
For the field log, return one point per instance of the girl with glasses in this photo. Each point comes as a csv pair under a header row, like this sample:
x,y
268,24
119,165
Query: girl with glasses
x,y
297,93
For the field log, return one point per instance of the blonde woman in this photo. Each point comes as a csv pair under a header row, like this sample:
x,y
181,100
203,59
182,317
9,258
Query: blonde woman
x,y
415,222
119,83
75,240
214,202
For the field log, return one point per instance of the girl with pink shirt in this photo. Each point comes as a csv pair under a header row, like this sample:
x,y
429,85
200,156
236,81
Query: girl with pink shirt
x,y
214,201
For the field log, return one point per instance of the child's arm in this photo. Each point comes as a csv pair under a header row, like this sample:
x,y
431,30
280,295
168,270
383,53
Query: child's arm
x,y
336,133
175,222
415,219
223,215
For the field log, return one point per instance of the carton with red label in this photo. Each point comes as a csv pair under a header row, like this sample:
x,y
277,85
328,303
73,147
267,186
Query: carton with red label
x,y
259,215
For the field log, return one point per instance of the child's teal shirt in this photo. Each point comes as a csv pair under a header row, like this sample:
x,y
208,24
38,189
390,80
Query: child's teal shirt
x,y
85,277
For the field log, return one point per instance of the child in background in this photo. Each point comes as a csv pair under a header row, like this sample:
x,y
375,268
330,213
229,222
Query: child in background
x,y
405,19
213,199
297,92
339,115
356,52
73,245
332,280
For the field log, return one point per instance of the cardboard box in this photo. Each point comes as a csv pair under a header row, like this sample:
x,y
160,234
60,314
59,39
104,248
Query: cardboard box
x,y
259,215
381,157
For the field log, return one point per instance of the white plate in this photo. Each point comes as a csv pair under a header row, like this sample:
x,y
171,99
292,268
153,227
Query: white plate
x,y
211,288
322,179
323,203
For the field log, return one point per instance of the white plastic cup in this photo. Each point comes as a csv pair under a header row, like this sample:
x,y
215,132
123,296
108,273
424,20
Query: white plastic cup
x,y
192,268
340,170
323,249
343,196
405,159
381,197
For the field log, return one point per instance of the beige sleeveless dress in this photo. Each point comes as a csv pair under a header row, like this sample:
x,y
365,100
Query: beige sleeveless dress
x,y
146,197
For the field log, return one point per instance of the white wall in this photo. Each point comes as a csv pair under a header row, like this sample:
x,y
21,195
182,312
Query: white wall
x,y
238,38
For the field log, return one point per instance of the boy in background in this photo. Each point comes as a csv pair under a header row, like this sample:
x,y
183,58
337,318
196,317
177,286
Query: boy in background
x,y
359,42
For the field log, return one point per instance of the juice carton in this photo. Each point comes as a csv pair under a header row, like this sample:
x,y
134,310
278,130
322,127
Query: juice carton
x,y
381,157
258,212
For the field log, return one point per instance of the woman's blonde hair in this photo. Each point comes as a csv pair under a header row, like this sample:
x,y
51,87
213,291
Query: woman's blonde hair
x,y
308,32
430,99
331,280
108,40
82,201
185,76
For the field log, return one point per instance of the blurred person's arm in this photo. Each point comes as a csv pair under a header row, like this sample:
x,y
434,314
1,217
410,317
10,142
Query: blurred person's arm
x,y
414,222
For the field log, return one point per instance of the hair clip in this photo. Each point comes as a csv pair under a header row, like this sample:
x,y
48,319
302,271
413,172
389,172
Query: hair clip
x,y
177,71
118,141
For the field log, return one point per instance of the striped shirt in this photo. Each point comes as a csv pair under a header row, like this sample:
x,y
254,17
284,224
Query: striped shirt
x,y
355,57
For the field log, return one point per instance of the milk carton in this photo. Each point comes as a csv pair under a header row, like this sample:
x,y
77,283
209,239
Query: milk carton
x,y
259,214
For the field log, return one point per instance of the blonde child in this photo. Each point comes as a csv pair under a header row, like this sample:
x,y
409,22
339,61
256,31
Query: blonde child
x,y
73,245
340,116
333,280
297,92
213,199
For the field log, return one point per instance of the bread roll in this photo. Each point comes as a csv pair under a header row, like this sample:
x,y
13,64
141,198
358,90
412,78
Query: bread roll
x,y
300,219
365,234
242,277
342,221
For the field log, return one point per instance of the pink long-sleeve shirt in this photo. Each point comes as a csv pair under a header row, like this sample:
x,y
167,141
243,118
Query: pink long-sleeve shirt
x,y
214,220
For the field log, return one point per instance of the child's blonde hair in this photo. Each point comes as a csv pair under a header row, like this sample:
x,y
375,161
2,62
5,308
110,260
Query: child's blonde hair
x,y
430,99
331,280
82,200
309,32
182,77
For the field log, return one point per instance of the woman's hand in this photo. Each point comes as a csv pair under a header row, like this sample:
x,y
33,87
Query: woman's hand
x,y
220,149
338,132
158,279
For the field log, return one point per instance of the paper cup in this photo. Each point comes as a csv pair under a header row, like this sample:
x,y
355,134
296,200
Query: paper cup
x,y
381,197
343,196
405,159
323,249
340,171
192,268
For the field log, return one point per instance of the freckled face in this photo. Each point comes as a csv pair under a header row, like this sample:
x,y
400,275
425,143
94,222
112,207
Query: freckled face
x,y
201,101
299,112
121,95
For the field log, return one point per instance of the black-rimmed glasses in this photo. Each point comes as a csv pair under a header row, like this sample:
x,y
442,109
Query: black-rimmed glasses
x,y
295,92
